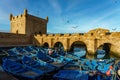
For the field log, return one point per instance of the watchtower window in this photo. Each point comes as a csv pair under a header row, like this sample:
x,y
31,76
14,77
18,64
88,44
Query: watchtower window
x,y
16,31
91,34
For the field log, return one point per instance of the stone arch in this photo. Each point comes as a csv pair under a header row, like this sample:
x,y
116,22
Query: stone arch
x,y
79,48
46,45
58,44
81,43
106,47
59,47
60,41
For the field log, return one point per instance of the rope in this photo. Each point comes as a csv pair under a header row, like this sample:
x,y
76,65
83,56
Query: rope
x,y
115,76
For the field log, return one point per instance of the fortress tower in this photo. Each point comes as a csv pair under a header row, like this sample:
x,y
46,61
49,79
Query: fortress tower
x,y
28,24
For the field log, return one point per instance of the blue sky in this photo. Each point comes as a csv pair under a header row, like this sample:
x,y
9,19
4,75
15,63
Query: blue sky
x,y
65,16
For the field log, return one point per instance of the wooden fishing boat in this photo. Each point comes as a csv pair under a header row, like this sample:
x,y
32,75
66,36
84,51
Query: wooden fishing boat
x,y
30,49
21,71
38,64
42,56
71,75
59,63
60,57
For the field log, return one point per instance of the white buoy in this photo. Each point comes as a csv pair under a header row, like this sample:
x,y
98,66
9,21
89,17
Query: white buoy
x,y
118,72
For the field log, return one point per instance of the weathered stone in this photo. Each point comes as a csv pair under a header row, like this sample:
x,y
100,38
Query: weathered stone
x,y
27,29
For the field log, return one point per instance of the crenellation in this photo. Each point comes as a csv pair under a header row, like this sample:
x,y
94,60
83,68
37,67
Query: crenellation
x,y
115,34
57,35
11,17
75,34
66,35
44,35
50,35
25,12
47,19
16,17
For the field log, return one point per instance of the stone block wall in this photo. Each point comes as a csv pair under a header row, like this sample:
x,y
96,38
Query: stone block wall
x,y
11,39
28,24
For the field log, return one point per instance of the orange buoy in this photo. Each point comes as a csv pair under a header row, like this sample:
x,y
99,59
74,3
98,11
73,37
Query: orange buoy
x,y
111,67
108,73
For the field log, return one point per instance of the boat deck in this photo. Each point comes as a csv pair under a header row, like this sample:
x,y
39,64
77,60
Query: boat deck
x,y
58,64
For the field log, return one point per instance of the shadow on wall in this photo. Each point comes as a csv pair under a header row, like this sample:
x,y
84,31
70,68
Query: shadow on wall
x,y
36,42
10,39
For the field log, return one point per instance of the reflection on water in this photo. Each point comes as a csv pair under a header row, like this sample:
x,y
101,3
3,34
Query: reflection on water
x,y
100,54
80,52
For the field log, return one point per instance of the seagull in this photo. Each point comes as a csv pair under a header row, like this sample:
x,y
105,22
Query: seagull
x,y
114,29
68,21
74,27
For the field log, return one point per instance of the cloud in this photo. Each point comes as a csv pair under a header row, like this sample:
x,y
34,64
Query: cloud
x,y
56,6
73,4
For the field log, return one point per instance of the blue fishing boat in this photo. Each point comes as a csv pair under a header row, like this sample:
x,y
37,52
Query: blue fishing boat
x,y
22,51
72,56
11,52
71,75
47,58
38,64
30,49
42,56
21,71
60,57
59,63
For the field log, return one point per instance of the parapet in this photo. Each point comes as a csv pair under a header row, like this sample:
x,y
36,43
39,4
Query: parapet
x,y
115,34
50,35
62,35
77,34
47,18
57,35
99,30
18,16
66,35
25,14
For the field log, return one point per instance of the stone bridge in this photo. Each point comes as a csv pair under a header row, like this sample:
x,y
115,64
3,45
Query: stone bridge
x,y
93,40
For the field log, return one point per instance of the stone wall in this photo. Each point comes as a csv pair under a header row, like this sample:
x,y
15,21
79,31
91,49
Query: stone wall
x,y
18,24
35,25
11,39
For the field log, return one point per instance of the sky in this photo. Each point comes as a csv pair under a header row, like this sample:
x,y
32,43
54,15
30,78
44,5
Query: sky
x,y
65,16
